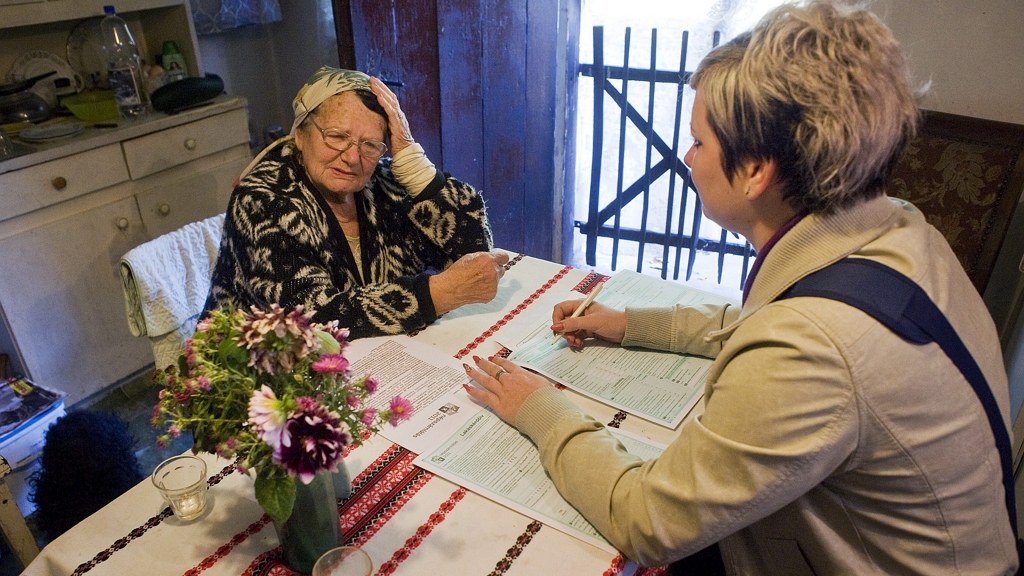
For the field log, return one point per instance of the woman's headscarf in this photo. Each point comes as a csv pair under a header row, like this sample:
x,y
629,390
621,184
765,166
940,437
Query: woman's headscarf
x,y
323,84
326,82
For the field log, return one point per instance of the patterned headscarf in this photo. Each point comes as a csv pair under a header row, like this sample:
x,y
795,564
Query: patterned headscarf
x,y
326,82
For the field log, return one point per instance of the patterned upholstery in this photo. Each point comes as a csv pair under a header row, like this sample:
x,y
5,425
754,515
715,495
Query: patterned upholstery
x,y
966,175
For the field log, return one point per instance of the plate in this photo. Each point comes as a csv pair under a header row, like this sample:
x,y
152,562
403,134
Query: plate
x,y
85,53
35,62
44,132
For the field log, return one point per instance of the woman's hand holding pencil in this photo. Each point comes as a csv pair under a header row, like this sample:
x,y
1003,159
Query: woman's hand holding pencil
x,y
577,320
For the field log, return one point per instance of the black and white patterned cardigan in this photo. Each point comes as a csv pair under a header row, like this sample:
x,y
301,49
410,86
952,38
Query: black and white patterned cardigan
x,y
282,244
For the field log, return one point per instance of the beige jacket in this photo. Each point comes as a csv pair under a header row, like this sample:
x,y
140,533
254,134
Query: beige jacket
x,y
827,445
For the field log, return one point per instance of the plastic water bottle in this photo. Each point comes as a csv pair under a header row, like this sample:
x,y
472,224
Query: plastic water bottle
x,y
124,68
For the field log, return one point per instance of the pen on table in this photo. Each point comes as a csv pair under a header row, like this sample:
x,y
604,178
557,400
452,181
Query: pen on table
x,y
583,306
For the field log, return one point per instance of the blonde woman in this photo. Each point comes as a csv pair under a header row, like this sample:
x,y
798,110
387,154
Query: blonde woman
x,y
828,444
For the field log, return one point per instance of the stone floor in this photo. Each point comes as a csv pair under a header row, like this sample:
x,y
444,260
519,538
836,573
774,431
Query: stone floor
x,y
133,402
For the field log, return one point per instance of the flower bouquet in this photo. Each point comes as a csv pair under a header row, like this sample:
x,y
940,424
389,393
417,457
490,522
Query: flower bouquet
x,y
274,391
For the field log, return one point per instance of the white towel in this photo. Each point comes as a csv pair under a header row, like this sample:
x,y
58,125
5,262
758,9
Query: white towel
x,y
166,281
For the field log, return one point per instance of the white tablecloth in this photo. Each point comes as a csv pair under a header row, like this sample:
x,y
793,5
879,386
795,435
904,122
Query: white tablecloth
x,y
408,520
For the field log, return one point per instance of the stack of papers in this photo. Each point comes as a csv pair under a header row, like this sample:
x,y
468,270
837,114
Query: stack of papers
x,y
460,440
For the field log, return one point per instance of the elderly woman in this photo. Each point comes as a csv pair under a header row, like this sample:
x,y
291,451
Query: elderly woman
x,y
827,444
321,218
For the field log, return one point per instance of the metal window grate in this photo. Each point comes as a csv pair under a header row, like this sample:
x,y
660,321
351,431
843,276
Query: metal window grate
x,y
661,162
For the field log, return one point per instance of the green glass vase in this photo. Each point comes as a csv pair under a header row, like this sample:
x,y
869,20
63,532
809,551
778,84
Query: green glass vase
x,y
314,527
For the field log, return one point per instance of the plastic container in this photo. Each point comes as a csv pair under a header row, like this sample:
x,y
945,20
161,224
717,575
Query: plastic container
x,y
124,68
92,107
173,63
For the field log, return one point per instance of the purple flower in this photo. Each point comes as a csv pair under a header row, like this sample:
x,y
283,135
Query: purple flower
x,y
318,437
268,417
371,384
401,409
334,363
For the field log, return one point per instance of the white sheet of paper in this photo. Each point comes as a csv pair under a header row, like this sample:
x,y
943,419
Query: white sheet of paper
x,y
660,387
422,374
495,460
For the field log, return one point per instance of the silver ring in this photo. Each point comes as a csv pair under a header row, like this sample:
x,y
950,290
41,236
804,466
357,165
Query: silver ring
x,y
497,375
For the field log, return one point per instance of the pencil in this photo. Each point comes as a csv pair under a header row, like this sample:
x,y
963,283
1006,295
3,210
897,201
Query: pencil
x,y
583,306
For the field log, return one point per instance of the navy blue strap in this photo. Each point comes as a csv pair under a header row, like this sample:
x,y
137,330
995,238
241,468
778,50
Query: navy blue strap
x,y
903,307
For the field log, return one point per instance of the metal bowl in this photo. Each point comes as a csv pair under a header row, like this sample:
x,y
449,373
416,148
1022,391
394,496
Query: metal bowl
x,y
24,106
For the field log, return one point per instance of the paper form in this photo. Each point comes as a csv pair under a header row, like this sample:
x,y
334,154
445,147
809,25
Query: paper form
x,y
495,460
422,374
660,387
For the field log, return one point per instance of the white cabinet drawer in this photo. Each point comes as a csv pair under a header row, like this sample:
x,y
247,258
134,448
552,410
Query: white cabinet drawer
x,y
45,184
168,148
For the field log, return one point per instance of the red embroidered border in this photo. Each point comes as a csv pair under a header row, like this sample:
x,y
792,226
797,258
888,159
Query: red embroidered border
x,y
425,529
378,493
513,313
588,283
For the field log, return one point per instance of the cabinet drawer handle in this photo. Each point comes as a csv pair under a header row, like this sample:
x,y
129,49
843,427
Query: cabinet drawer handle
x,y
59,183
190,143
165,209
122,223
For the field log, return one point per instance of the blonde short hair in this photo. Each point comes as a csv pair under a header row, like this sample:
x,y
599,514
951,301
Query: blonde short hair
x,y
820,88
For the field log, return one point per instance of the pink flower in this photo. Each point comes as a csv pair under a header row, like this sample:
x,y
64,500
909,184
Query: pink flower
x,y
174,431
368,415
401,409
203,382
370,383
339,334
204,324
334,363
267,415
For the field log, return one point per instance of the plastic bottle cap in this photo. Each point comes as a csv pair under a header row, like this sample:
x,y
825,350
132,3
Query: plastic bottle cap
x,y
108,10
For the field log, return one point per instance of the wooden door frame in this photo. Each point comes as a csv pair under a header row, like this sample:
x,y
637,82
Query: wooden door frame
x,y
505,110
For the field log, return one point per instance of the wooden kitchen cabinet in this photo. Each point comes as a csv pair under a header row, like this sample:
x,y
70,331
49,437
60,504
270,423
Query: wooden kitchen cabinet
x,y
71,209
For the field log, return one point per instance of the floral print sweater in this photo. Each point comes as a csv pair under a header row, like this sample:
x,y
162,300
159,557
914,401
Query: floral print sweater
x,y
282,244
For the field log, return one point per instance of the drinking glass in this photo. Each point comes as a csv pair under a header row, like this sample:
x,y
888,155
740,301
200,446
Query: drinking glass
x,y
181,480
344,561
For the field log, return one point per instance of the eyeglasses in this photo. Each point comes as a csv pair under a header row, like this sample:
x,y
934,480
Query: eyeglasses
x,y
342,141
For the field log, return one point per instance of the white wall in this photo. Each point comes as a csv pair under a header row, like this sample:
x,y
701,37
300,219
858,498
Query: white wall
x,y
269,63
972,50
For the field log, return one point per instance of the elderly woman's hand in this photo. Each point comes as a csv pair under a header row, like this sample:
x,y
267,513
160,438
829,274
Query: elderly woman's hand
x,y
472,279
401,136
505,385
597,321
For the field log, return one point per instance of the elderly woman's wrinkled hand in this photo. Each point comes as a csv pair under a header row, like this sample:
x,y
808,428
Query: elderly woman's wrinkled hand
x,y
505,386
401,136
597,321
472,279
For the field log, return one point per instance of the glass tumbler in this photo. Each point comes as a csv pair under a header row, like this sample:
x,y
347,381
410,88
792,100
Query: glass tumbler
x,y
181,480
344,561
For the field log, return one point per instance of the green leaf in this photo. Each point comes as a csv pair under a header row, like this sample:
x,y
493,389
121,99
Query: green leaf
x,y
276,494
328,345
